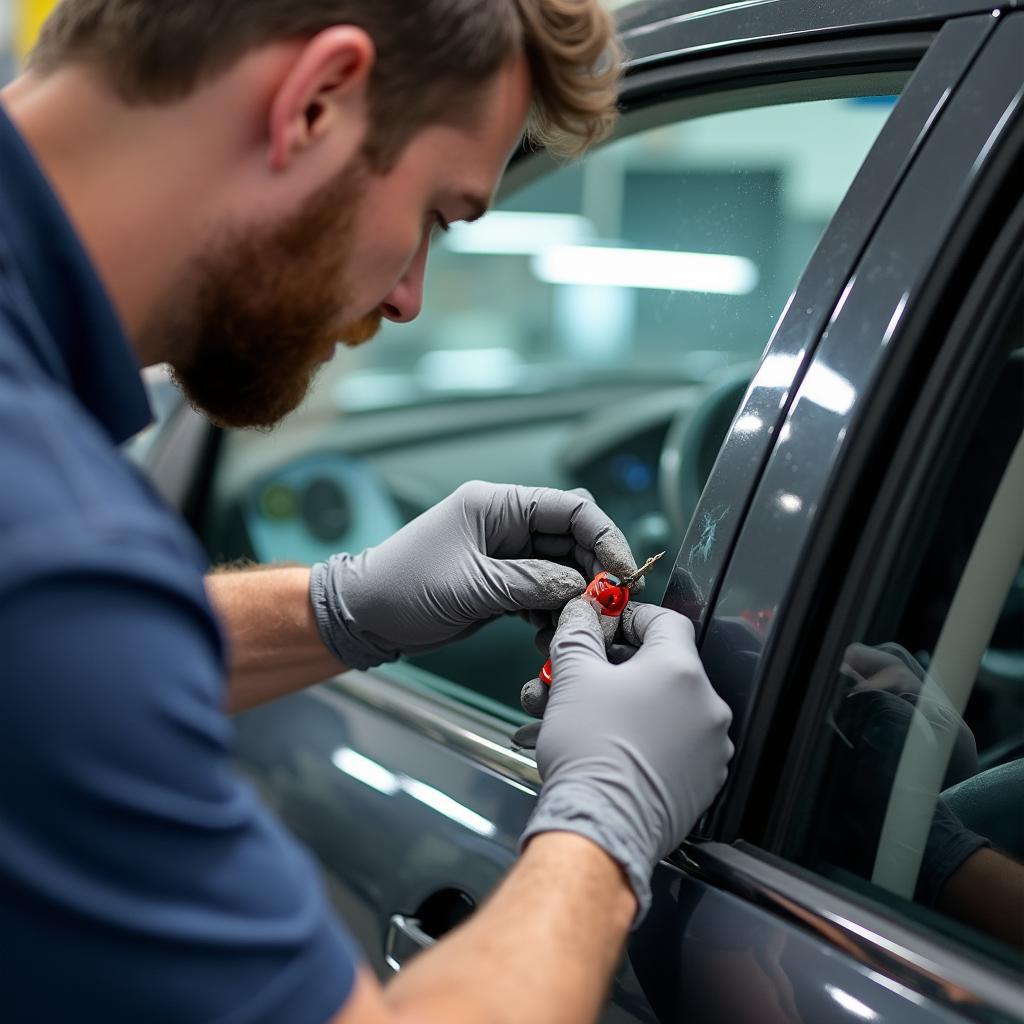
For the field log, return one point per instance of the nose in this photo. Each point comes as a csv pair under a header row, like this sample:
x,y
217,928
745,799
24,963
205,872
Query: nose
x,y
406,299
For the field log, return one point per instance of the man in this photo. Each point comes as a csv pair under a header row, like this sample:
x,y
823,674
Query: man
x,y
229,188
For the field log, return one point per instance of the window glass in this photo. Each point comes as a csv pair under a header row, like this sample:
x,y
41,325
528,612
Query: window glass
x,y
670,252
560,338
919,800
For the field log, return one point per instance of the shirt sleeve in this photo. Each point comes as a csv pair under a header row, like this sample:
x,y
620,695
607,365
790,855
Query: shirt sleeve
x,y
141,878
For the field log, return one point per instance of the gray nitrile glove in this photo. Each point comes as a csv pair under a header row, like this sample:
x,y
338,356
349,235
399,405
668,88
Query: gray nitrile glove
x,y
534,695
630,754
484,551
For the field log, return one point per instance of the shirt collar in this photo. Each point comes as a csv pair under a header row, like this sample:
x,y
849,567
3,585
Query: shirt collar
x,y
83,345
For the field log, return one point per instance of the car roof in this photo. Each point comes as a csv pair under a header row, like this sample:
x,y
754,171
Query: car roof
x,y
654,28
646,12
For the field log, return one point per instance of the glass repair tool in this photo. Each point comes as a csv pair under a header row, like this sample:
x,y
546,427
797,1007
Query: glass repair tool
x,y
609,595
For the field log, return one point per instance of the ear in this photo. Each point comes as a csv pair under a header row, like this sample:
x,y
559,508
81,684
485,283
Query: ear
x,y
325,90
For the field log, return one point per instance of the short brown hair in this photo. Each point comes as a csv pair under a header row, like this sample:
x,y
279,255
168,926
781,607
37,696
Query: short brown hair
x,y
430,53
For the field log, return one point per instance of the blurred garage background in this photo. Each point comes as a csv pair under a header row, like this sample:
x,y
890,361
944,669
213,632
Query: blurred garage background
x,y
743,196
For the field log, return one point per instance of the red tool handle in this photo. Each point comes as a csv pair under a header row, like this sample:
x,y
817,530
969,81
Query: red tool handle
x,y
608,595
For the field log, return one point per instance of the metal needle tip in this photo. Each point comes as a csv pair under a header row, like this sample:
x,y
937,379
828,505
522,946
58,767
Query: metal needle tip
x,y
643,570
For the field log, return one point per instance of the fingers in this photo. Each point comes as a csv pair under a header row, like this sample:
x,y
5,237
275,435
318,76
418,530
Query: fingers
x,y
591,563
547,523
903,655
553,545
866,661
647,625
579,636
546,634
534,698
526,735
619,654
532,584
576,513
542,640
895,679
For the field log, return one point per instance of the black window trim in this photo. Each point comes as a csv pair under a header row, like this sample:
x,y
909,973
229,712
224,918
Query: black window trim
x,y
766,696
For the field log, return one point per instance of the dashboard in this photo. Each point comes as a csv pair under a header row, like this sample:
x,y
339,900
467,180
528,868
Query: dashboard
x,y
345,484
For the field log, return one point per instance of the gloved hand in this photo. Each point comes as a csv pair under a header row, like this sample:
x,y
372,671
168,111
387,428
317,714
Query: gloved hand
x,y
487,550
893,669
872,724
630,754
534,695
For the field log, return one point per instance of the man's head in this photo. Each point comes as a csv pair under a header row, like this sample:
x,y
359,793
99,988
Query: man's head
x,y
323,141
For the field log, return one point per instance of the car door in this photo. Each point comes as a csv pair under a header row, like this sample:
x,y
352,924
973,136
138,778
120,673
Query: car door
x,y
885,525
403,781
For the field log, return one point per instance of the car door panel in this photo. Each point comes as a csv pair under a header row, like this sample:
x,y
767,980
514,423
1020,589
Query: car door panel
x,y
940,202
864,332
364,789
733,937
669,29
370,773
431,790
714,528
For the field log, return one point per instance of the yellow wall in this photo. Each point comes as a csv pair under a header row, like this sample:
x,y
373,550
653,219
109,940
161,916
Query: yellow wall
x,y
28,16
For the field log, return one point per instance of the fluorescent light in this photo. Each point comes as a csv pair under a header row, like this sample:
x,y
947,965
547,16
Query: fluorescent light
x,y
518,234
471,369
646,268
366,771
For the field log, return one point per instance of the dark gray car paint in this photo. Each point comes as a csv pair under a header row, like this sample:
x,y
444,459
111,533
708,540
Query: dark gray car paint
x,y
754,957
666,29
863,332
385,853
709,541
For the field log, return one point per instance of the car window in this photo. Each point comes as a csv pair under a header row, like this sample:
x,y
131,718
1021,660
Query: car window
x,y
917,795
561,338
669,252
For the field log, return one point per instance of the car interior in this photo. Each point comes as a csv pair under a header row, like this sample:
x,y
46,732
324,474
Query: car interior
x,y
597,330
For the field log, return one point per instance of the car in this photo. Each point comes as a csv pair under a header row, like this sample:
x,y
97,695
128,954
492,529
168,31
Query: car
x,y
776,327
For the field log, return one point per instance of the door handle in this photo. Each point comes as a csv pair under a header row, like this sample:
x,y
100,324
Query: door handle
x,y
405,939
408,935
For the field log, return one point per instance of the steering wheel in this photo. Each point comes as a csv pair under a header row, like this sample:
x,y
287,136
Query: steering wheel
x,y
692,445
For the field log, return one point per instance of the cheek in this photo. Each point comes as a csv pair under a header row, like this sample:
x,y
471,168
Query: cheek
x,y
381,258
388,235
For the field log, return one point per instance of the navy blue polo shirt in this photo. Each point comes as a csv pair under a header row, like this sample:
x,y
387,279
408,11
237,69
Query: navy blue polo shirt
x,y
140,878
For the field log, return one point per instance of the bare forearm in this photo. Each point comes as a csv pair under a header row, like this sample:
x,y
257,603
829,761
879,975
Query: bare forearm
x,y
987,891
275,647
543,949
